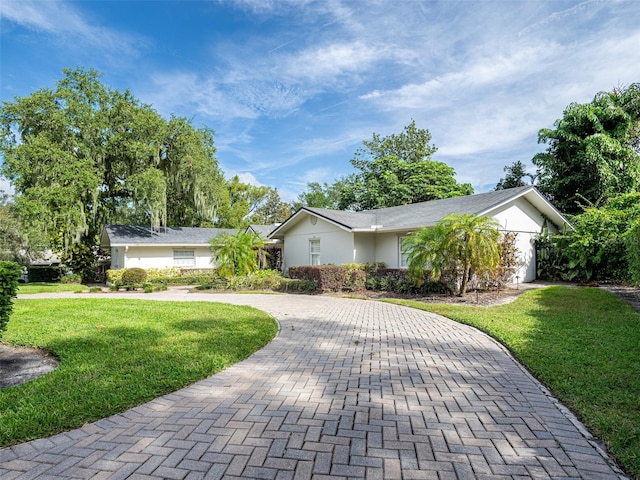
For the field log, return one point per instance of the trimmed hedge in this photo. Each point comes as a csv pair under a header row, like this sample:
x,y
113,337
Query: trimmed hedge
x,y
9,274
351,277
325,277
167,276
133,277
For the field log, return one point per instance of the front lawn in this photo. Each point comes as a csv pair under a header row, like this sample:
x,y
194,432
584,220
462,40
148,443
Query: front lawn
x,y
584,344
115,354
45,287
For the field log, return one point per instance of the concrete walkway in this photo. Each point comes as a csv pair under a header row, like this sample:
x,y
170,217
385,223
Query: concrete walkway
x,y
348,389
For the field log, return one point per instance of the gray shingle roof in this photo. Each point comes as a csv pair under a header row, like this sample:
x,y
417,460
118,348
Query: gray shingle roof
x,y
346,218
430,213
263,230
136,235
427,213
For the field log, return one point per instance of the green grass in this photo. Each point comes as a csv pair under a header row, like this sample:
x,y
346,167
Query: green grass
x,y
115,354
584,344
44,287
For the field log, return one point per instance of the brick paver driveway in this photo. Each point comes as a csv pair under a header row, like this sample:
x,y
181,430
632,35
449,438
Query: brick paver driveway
x,y
348,389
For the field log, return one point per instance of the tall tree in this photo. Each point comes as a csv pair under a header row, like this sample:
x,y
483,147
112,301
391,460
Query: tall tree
x,y
320,195
271,210
82,155
398,170
244,201
11,239
593,152
459,247
18,242
515,176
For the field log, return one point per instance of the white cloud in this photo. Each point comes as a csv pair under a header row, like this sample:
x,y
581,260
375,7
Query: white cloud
x,y
6,187
491,71
328,62
61,19
249,178
186,92
562,15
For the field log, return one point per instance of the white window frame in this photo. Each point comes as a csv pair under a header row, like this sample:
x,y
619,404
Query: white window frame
x,y
403,257
184,257
314,253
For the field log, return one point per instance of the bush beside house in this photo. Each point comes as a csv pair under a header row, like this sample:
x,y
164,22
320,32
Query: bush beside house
x,y
9,274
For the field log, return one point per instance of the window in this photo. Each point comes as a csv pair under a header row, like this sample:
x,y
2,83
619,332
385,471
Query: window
x,y
404,254
314,251
184,258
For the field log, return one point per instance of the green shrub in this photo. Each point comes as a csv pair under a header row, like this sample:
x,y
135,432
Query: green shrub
x,y
370,268
134,277
9,274
156,275
260,280
114,277
296,285
168,276
95,289
355,280
396,280
213,283
326,277
632,243
71,278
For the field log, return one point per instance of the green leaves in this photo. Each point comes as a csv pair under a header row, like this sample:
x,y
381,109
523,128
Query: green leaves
x,y
593,151
398,170
83,155
237,254
9,274
458,248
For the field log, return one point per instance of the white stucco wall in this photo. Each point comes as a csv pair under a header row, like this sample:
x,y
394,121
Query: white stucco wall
x,y
523,218
364,247
388,248
117,258
159,257
336,245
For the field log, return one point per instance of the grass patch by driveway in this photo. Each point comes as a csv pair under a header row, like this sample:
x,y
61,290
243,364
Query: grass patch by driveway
x,y
584,344
45,287
115,354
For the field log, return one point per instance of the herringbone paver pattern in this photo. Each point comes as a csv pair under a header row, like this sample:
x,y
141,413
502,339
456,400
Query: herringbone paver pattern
x,y
349,389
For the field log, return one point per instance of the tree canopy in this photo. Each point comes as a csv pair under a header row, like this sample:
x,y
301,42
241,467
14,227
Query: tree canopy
x,y
593,151
515,176
393,170
320,195
83,155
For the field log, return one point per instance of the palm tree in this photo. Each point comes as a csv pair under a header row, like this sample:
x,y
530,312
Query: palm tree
x,y
462,245
237,254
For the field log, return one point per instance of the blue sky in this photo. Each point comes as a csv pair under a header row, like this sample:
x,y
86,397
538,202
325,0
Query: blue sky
x,y
292,88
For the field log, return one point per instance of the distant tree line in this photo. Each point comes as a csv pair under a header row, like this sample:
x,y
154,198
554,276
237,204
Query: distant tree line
x,y
83,155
